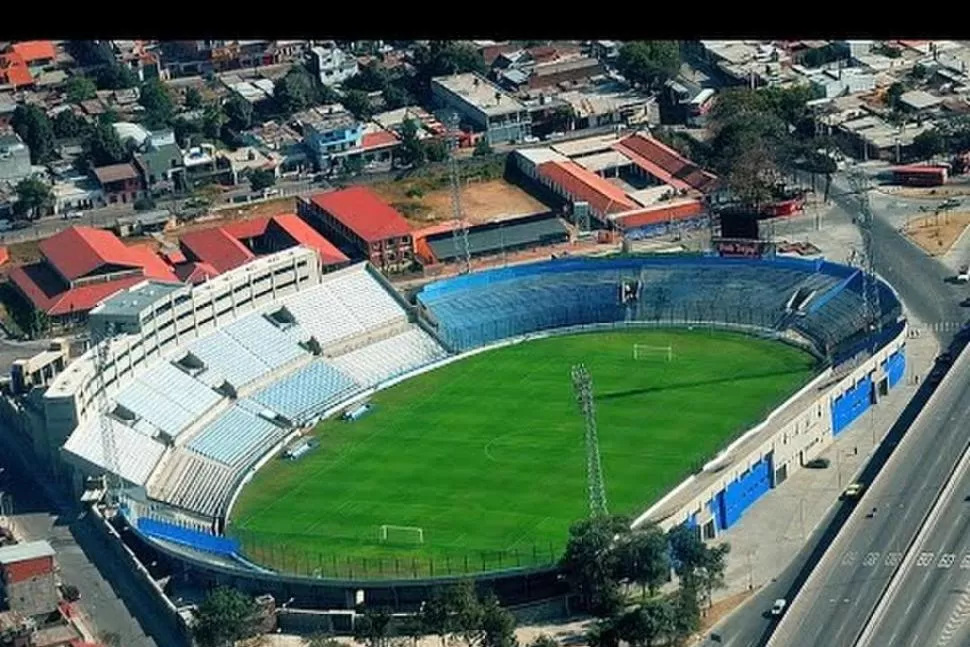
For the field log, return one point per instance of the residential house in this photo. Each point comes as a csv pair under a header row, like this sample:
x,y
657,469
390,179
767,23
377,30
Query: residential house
x,y
141,57
502,118
332,65
37,54
281,141
7,107
247,159
428,124
76,192
203,165
610,102
14,72
363,225
14,159
684,102
605,50
329,132
829,84
28,579
82,266
119,182
258,92
287,51
160,167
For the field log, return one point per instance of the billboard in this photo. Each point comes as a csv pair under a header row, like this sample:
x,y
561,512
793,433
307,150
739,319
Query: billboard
x,y
741,248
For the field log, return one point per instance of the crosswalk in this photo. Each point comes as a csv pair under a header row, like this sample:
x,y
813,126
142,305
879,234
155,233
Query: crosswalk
x,y
891,559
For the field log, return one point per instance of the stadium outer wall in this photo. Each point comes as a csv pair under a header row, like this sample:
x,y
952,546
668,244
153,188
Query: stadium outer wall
x,y
758,461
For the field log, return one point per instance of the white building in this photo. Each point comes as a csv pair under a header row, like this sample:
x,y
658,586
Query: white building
x,y
332,65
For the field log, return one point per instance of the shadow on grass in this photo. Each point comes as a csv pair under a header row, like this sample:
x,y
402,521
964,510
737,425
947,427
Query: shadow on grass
x,y
687,385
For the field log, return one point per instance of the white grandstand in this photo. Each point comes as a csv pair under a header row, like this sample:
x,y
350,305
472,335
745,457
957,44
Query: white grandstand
x,y
193,416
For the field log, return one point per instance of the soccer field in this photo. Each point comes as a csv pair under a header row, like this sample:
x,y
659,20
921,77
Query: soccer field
x,y
486,455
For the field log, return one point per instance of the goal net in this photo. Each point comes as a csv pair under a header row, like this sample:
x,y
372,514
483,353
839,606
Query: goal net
x,y
402,534
646,352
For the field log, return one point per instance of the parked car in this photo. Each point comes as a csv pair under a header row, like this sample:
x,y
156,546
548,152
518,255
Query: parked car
x,y
818,463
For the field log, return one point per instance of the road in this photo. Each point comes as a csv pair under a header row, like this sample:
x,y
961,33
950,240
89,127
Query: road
x,y
920,282
110,599
932,604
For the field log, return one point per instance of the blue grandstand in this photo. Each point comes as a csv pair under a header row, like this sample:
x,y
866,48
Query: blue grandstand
x,y
306,393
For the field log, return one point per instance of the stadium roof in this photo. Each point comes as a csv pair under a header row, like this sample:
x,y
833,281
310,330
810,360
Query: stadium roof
x,y
216,247
134,299
493,238
665,163
363,212
585,186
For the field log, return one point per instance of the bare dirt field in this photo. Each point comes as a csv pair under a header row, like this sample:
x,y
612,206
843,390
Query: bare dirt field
x,y
936,234
946,191
424,201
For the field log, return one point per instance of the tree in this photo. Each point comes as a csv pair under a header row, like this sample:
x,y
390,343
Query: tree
x,y
928,144
644,558
603,633
261,179
372,626
212,121
34,198
893,93
544,640
465,610
370,78
413,627
497,625
193,99
435,616
239,113
713,569
102,146
186,131
444,58
34,127
482,148
297,91
396,97
435,150
591,565
158,103
649,63
90,53
358,103
225,616
144,204
353,165
687,612
80,88
115,76
68,125
411,152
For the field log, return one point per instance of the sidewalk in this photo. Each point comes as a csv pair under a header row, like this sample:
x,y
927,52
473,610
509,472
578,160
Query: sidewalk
x,y
772,532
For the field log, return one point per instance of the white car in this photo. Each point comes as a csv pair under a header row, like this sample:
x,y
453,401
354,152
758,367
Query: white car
x,y
779,607
964,275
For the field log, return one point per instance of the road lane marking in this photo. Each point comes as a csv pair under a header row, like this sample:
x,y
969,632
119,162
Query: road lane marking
x,y
871,559
925,559
946,561
892,559
849,558
965,562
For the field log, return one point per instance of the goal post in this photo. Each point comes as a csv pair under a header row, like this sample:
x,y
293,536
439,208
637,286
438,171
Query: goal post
x,y
645,351
402,534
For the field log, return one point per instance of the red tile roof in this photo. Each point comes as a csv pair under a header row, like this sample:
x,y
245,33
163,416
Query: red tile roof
x,y
35,50
663,212
304,234
379,139
174,257
215,247
584,185
195,273
45,290
14,71
78,251
151,263
247,228
115,173
665,163
4,255
363,212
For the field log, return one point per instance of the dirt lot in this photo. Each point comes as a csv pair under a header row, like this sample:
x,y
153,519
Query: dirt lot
x,y
952,190
427,200
936,234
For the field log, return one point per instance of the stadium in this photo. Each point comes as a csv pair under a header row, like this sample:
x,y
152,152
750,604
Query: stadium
x,y
315,434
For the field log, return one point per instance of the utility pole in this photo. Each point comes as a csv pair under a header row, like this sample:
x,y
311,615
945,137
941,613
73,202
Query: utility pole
x,y
460,232
583,386
870,286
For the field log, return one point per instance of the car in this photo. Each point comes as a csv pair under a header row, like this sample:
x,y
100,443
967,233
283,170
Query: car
x,y
964,275
854,491
779,607
965,303
818,463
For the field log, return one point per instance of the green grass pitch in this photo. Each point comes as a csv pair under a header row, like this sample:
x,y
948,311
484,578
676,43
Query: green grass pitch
x,y
487,455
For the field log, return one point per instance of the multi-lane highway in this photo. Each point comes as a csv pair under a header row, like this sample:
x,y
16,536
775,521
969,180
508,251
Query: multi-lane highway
x,y
929,604
833,607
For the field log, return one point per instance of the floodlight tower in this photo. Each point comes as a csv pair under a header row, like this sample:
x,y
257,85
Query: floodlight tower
x,y
460,232
583,386
870,284
108,447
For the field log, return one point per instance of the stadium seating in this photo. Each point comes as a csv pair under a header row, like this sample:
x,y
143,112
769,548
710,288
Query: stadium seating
x,y
264,340
136,453
168,398
201,541
369,302
191,481
233,437
306,393
226,359
389,358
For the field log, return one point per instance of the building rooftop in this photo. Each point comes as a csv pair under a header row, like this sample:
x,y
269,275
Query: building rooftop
x,y
34,50
133,300
115,173
326,118
480,92
919,99
363,212
216,247
25,551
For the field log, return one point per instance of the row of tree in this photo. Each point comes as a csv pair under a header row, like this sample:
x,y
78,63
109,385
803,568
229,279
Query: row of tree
x,y
606,561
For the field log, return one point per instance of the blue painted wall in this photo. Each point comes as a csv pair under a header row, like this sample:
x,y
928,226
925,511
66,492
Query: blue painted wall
x,y
742,493
847,408
895,366
188,537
